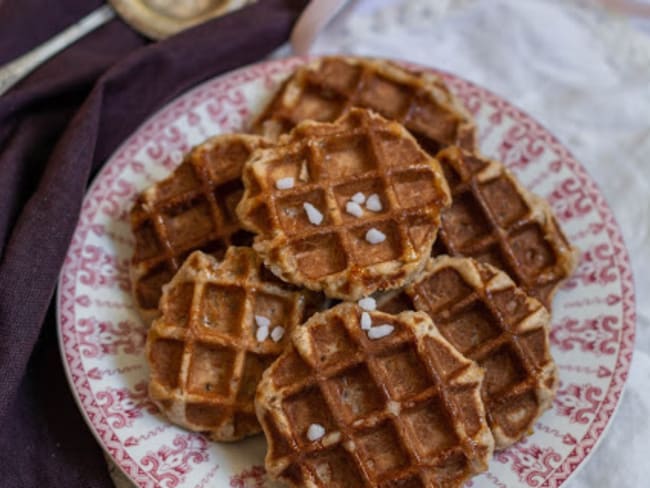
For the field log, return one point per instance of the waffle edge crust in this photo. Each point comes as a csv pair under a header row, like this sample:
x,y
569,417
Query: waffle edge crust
x,y
204,353
327,164
341,409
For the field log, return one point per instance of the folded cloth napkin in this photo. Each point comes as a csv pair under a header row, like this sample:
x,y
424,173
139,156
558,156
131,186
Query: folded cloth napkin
x,y
56,130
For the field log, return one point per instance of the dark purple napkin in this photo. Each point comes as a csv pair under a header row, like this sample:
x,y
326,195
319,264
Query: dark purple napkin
x,y
56,130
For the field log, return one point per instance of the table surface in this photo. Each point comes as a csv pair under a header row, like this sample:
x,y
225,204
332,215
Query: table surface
x,y
585,74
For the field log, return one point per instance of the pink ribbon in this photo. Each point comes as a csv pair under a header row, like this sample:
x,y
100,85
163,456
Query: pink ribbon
x,y
313,20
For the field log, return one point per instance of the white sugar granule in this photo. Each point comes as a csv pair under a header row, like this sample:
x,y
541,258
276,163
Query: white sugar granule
x,y
277,333
366,321
380,331
262,321
315,432
354,209
313,214
284,183
375,236
374,203
368,304
262,334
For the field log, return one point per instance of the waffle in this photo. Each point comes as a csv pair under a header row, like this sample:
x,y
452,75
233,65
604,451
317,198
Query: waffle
x,y
329,167
328,87
206,353
192,209
495,220
481,312
340,409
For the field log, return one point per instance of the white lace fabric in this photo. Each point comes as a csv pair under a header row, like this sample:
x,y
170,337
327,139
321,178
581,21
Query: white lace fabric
x,y
585,74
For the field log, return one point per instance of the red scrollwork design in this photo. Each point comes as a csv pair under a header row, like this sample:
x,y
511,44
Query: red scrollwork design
x,y
99,268
578,402
122,405
169,464
118,199
229,109
168,147
570,200
520,146
532,464
597,267
598,335
97,338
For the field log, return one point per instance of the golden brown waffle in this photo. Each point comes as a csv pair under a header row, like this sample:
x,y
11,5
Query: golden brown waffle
x,y
328,87
340,409
206,352
481,312
192,209
345,255
495,220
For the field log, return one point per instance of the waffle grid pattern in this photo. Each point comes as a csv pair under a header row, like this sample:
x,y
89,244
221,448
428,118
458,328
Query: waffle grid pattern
x,y
330,163
329,87
481,313
400,411
495,220
203,353
193,209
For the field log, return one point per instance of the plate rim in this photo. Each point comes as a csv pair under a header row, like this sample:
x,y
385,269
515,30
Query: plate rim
x,y
597,197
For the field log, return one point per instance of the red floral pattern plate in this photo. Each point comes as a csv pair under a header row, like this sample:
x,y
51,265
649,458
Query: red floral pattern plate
x,y
102,337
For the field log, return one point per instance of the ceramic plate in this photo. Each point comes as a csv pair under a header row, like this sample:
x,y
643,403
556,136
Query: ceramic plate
x,y
102,338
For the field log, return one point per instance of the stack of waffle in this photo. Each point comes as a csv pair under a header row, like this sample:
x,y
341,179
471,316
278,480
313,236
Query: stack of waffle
x,y
362,185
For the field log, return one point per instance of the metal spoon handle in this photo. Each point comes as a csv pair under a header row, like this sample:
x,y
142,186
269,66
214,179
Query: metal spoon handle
x,y
14,71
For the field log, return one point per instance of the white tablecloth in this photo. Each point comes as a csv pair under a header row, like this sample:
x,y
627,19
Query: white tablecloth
x,y
583,73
